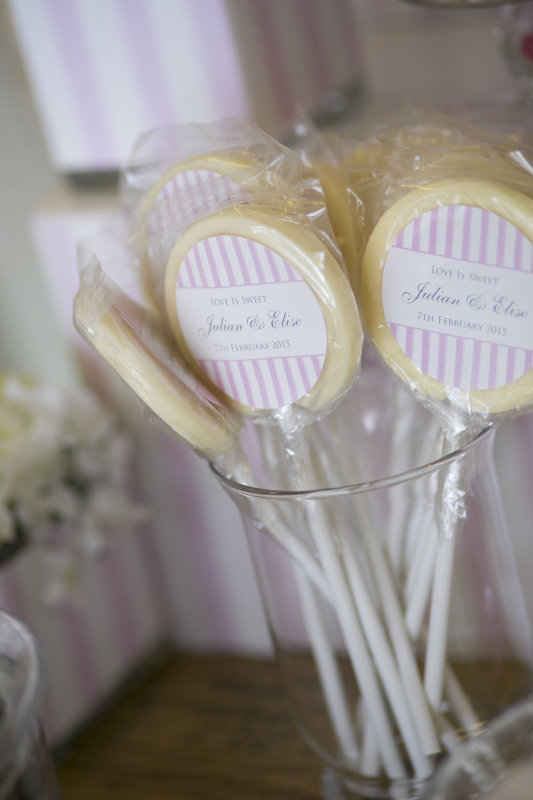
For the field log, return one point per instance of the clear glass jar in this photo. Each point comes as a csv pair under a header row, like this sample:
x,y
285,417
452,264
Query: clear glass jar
x,y
26,767
395,605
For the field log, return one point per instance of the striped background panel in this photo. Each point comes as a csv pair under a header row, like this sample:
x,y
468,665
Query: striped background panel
x,y
103,72
252,379
470,236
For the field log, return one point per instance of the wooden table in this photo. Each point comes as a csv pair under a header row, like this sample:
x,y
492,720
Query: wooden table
x,y
197,728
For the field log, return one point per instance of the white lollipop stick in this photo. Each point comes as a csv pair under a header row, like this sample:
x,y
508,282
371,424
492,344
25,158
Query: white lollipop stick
x,y
402,646
362,614
504,564
355,643
440,598
418,589
370,757
388,671
423,494
400,509
401,675
352,618
327,667
328,671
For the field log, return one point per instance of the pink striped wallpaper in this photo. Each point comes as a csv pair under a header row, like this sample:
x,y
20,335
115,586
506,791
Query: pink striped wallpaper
x,y
105,71
113,621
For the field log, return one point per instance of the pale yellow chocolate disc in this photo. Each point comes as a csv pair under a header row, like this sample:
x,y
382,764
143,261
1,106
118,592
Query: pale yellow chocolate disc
x,y
447,293
188,190
262,310
146,366
346,216
238,166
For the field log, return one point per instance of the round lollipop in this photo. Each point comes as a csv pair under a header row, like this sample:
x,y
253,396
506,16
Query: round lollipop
x,y
447,297
262,307
187,189
196,186
137,347
447,294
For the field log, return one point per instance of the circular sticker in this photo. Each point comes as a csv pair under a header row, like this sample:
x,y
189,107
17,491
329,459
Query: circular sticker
x,y
250,321
458,297
448,292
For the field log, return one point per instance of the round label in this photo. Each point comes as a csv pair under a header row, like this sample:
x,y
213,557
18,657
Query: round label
x,y
250,321
457,295
188,194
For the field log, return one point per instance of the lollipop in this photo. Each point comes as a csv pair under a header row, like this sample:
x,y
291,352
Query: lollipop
x,y
183,173
263,308
447,297
123,333
447,293
234,250
153,367
189,188
136,346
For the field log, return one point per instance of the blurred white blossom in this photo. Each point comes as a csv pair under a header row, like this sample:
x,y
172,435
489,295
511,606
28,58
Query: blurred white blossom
x,y
65,471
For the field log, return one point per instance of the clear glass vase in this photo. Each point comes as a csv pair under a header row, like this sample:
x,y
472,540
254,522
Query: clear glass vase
x,y
394,602
26,767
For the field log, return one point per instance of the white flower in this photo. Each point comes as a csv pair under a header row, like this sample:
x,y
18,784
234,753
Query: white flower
x,y
65,467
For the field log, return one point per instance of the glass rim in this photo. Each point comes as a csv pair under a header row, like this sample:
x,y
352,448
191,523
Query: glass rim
x,y
257,492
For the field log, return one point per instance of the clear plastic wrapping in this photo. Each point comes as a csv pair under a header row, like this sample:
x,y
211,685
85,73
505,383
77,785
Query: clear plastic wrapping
x,y
235,251
439,215
178,174
232,260
136,345
249,259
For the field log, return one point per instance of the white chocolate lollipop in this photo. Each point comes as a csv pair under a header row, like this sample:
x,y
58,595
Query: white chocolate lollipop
x,y
237,166
139,354
263,308
188,190
447,296
447,293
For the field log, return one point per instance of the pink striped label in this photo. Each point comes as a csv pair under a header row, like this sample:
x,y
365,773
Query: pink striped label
x,y
458,297
250,321
190,194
